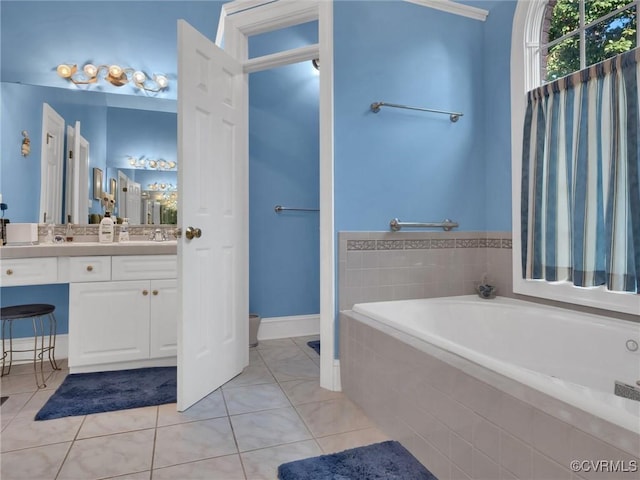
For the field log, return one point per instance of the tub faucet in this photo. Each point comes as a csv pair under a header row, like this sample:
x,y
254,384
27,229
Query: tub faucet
x,y
486,291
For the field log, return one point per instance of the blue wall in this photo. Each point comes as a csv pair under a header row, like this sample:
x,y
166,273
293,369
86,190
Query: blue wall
x,y
497,113
37,36
414,165
284,249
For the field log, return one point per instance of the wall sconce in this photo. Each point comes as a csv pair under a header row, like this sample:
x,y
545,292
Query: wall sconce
x,y
114,74
25,149
150,164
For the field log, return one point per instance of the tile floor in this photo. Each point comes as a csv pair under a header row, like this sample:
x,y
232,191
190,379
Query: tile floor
x,y
273,412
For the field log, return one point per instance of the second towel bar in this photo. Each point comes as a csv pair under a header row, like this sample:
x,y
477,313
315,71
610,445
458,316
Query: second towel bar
x,y
446,225
280,208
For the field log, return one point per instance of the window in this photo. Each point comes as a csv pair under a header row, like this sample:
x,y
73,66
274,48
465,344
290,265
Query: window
x,y
552,39
579,33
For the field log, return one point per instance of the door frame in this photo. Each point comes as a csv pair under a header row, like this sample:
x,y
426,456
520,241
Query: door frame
x,y
241,19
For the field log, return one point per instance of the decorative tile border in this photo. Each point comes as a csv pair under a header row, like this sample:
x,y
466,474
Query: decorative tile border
x,y
389,244
361,244
429,243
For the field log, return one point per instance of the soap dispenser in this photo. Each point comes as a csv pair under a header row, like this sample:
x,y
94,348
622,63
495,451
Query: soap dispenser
x,y
69,230
105,231
124,231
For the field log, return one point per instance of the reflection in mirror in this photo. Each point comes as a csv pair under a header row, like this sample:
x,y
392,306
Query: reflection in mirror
x,y
117,128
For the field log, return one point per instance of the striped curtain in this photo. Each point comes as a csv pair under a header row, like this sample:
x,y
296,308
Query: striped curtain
x,y
580,215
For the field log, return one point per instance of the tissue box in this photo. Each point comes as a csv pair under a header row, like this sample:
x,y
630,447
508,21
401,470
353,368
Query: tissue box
x,y
22,233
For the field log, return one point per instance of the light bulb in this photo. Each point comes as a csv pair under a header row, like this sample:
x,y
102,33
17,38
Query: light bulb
x,y
65,71
161,80
139,77
90,70
115,71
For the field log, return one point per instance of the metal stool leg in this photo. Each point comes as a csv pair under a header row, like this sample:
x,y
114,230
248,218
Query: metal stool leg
x,y
36,355
52,341
4,349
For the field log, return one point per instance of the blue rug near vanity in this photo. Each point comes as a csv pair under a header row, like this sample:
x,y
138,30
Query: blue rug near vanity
x,y
85,393
383,461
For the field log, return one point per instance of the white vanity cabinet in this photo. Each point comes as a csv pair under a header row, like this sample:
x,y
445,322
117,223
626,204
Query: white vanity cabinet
x,y
129,321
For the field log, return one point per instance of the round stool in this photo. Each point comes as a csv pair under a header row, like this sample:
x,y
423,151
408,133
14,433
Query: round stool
x,y
37,313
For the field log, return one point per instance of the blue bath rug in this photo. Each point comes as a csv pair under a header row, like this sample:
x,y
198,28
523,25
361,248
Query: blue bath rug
x,y
315,344
387,460
85,393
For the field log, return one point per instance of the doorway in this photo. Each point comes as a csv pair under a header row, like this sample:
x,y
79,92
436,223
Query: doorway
x,y
237,24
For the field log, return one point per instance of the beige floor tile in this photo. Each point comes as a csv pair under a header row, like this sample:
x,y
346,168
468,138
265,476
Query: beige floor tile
x,y
109,456
23,383
211,406
344,441
35,403
26,433
263,463
278,342
55,378
282,354
302,341
188,442
227,468
12,406
333,416
254,356
27,367
254,398
119,421
268,428
132,476
254,374
307,391
40,463
302,368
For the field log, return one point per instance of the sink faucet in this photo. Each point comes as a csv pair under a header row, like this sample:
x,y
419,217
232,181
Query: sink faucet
x,y
158,235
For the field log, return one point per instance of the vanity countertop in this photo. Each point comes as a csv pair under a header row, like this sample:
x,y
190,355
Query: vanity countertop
x,y
81,249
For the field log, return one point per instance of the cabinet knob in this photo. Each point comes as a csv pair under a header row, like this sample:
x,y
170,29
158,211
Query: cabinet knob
x,y
155,292
145,292
9,272
89,268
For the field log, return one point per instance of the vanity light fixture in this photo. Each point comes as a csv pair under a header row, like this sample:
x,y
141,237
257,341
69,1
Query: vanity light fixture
x,y
150,164
114,74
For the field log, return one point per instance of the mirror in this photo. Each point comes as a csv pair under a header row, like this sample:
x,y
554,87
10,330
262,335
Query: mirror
x,y
132,134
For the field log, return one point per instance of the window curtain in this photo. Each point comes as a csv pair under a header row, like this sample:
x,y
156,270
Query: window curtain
x,y
580,205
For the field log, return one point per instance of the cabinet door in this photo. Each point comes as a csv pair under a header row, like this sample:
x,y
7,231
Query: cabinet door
x,y
108,322
164,321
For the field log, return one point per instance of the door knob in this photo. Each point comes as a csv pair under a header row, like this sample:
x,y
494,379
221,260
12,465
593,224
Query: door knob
x,y
192,232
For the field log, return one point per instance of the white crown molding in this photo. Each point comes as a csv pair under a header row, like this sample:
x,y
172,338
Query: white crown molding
x,y
454,8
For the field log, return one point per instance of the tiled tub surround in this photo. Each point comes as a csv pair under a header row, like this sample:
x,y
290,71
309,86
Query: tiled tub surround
x,y
463,420
378,266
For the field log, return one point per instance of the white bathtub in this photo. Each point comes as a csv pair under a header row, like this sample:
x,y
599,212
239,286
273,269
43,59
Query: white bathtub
x,y
572,356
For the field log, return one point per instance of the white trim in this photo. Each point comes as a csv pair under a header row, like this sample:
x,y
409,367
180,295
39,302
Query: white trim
x,y
108,367
524,77
291,326
280,59
274,16
23,343
337,384
454,8
235,7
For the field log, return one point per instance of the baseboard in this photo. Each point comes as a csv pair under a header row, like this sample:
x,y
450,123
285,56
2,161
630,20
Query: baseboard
x,y
62,348
292,326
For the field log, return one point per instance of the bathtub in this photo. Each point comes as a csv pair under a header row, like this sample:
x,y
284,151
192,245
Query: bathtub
x,y
457,358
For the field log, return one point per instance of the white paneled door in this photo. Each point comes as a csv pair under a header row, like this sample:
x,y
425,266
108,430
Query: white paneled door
x,y
213,214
